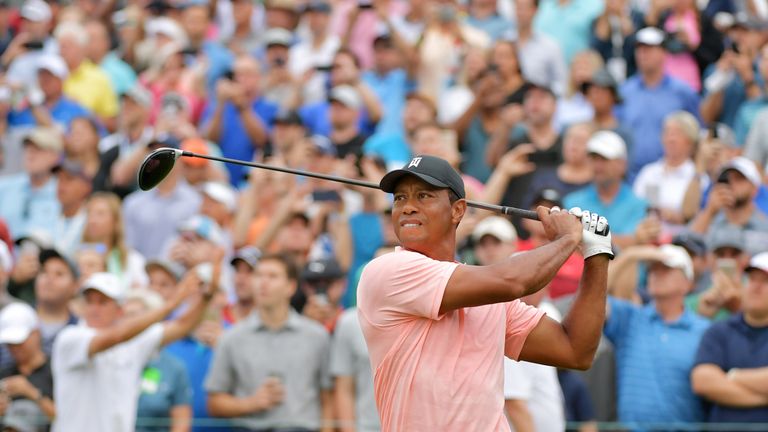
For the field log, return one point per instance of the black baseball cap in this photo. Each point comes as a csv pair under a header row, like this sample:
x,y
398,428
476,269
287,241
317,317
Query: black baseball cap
x,y
288,117
693,242
322,269
51,253
430,169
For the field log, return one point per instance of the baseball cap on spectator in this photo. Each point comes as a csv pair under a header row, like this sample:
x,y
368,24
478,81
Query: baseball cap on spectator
x,y
174,270
73,167
323,145
49,254
36,11
107,284
603,78
278,36
220,193
139,94
22,415
248,254
54,64
547,197
167,27
676,257
204,227
288,117
495,226
6,260
347,96
318,6
693,242
534,84
650,36
37,237
159,6
607,144
723,133
45,138
744,166
286,5
758,262
322,269
383,41
430,169
195,145
17,321
727,238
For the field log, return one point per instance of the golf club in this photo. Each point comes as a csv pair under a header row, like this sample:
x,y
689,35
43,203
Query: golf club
x,y
160,162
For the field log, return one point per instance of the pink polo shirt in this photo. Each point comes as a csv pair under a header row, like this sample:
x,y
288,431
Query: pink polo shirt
x,y
436,372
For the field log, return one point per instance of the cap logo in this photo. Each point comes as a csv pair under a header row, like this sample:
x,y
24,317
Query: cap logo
x,y
414,162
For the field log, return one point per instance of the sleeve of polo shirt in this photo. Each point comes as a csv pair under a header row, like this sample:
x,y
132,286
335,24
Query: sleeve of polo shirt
x,y
326,379
712,347
518,382
146,343
182,390
342,354
108,105
70,350
401,285
521,320
617,323
221,374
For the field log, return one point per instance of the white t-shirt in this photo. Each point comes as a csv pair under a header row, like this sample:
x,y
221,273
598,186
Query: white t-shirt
x,y
538,386
663,186
99,393
303,56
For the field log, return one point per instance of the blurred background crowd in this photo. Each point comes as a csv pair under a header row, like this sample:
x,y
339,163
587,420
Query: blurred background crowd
x,y
649,112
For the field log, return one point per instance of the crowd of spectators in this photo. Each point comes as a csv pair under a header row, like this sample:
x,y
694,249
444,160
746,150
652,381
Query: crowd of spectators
x,y
224,298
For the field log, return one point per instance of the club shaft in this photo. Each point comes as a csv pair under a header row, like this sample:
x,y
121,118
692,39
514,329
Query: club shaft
x,y
510,211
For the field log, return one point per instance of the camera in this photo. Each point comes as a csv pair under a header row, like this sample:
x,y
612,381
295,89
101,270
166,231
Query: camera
x,y
723,177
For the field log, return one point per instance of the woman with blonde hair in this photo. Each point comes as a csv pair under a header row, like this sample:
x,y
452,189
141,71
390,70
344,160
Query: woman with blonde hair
x,y
104,224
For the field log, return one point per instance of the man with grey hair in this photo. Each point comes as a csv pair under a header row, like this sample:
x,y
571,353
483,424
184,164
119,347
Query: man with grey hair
x,y
87,83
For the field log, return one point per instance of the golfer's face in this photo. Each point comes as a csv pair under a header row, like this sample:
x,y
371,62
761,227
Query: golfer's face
x,y
421,214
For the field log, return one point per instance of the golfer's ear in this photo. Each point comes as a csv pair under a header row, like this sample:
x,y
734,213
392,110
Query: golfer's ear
x,y
458,209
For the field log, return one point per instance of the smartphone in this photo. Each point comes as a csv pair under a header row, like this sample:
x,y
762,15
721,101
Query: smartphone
x,y
204,273
365,4
727,266
723,178
34,45
323,68
326,195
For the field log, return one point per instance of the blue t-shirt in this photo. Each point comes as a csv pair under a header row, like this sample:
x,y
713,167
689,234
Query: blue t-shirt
x,y
745,116
391,90
653,363
196,358
623,214
391,147
730,344
62,112
317,121
494,26
570,24
367,238
643,112
734,95
164,385
24,209
234,141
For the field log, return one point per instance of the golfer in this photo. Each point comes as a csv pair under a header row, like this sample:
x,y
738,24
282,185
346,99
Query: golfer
x,y
436,329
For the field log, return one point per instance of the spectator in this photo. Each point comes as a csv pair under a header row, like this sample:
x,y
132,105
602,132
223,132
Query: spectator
x,y
649,96
198,171
245,38
455,100
573,106
287,131
173,198
310,55
244,263
730,205
239,117
30,379
495,239
728,372
578,402
756,147
219,202
30,44
73,186
323,282
484,16
608,194
120,74
84,368
748,110
264,390
664,183
90,259
81,144
696,246
28,200
164,276
279,85
26,265
602,93
636,332
353,379
540,55
612,37
165,396
195,18
86,83
55,287
575,172
569,22
345,135
722,296
104,224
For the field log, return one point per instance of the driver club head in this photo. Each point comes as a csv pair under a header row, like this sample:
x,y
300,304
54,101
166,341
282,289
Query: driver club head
x,y
156,167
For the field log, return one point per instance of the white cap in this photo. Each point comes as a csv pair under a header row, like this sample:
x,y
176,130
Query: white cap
x,y
36,11
650,36
608,145
278,36
347,95
746,167
6,260
221,193
17,321
107,284
758,262
495,226
204,227
54,64
676,257
167,27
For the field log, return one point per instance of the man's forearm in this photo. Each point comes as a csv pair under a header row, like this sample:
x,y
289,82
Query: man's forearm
x,y
584,322
213,131
519,415
126,330
254,127
227,405
710,382
536,268
755,379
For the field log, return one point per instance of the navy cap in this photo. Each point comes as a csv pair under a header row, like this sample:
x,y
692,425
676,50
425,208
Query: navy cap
x,y
693,242
288,117
320,269
49,254
430,169
249,255
73,167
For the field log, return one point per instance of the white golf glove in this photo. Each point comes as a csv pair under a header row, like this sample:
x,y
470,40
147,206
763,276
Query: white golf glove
x,y
596,237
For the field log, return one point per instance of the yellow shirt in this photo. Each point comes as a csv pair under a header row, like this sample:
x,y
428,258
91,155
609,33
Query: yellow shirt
x,y
90,86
